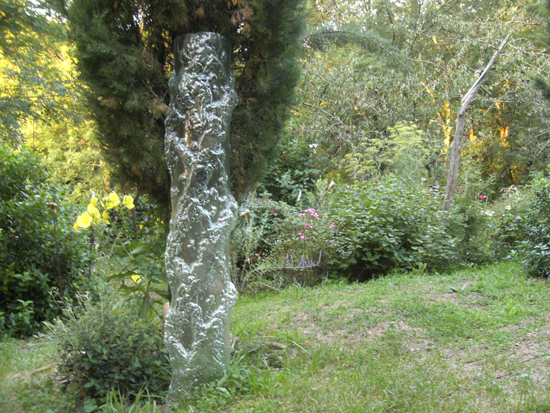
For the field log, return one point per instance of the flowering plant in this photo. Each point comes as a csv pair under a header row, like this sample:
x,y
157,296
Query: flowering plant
x,y
131,253
93,215
279,244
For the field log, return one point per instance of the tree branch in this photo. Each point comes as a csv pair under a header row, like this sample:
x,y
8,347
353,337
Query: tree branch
x,y
454,163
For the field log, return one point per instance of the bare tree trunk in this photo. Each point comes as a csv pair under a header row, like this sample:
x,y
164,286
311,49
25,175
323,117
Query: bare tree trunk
x,y
454,163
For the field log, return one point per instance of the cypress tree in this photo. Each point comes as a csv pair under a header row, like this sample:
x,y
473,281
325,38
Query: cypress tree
x,y
124,53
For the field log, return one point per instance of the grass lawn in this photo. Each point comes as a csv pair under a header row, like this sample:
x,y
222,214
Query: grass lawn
x,y
472,341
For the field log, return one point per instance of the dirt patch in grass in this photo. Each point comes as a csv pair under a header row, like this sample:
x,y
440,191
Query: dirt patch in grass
x,y
350,334
532,350
515,327
470,301
529,354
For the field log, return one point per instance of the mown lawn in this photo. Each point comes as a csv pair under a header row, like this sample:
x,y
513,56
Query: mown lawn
x,y
473,341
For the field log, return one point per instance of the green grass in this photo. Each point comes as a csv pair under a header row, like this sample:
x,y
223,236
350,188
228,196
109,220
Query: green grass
x,y
27,377
472,341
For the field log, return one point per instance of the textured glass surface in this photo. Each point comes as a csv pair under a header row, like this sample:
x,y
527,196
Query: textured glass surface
x,y
202,99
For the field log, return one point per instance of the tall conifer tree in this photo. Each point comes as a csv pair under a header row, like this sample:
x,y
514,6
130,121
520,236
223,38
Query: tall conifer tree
x,y
124,52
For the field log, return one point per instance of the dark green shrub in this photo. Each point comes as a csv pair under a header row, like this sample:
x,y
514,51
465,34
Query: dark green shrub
x,y
475,227
535,228
385,225
300,162
39,250
106,346
509,209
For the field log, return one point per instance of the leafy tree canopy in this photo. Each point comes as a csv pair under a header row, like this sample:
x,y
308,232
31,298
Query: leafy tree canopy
x,y
33,82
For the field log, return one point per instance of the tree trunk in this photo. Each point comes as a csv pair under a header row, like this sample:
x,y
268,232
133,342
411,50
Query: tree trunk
x,y
203,96
454,163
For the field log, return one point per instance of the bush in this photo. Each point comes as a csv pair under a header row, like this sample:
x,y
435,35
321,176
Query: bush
x,y
535,228
39,251
282,244
381,226
105,346
475,227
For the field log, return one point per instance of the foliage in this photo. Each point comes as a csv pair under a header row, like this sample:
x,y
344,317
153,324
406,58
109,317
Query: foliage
x,y
39,252
535,225
126,64
373,228
41,98
105,346
299,164
143,403
277,244
542,82
471,222
386,225
70,151
404,152
485,222
141,277
371,66
33,82
128,243
259,227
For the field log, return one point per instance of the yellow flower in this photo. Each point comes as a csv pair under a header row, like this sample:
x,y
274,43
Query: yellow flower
x,y
105,217
94,213
128,201
93,201
84,220
75,226
136,278
111,201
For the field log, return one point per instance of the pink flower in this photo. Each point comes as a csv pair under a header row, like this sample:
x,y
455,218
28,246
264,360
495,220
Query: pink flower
x,y
312,212
308,224
276,203
302,236
272,212
301,215
482,197
333,225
